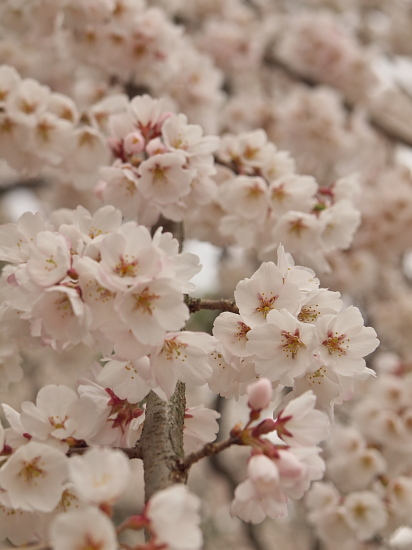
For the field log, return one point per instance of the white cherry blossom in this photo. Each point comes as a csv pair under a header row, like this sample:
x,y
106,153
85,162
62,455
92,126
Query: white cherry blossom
x,y
33,477
62,319
284,347
164,179
149,309
100,475
232,332
87,528
265,291
174,518
54,413
344,340
366,513
128,379
15,238
301,424
49,259
182,356
261,495
128,257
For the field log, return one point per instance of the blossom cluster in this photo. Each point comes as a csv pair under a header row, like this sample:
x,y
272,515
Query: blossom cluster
x,y
316,46
87,44
283,467
44,132
293,333
47,496
163,164
368,487
263,202
108,284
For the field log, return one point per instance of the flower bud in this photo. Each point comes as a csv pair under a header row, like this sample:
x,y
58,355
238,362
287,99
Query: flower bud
x,y
134,143
260,394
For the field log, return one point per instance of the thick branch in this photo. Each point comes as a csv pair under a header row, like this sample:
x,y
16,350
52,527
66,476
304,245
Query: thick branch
x,y
196,304
161,442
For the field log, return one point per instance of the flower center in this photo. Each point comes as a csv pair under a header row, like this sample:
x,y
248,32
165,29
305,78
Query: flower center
x,y
125,268
334,343
292,343
266,304
31,470
144,301
172,350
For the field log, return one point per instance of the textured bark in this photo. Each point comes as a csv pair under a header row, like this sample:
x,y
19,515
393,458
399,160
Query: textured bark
x,y
162,441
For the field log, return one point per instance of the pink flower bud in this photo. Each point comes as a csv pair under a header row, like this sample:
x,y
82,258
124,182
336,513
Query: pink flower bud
x,y
134,143
266,426
260,394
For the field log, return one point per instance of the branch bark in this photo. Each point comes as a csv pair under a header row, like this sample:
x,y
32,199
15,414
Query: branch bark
x,y
196,304
210,449
161,442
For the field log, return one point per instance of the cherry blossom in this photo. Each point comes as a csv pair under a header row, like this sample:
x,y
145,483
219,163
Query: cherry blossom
x,y
33,477
300,423
343,341
100,475
261,494
88,527
174,518
283,346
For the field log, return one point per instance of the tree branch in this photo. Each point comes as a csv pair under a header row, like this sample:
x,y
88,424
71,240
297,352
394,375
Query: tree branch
x,y
161,442
210,449
196,304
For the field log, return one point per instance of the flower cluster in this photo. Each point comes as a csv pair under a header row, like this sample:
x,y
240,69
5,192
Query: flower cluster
x,y
47,496
316,46
264,202
38,126
368,486
110,285
282,468
163,164
292,332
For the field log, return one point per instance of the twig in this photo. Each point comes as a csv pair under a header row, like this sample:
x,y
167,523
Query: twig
x,y
196,304
210,449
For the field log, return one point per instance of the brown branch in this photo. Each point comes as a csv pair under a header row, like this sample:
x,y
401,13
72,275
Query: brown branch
x,y
161,442
196,304
210,449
